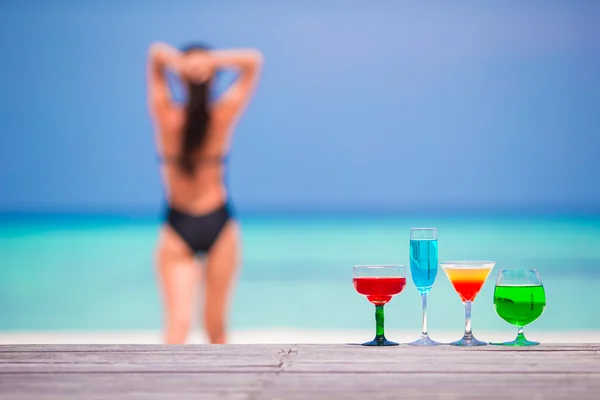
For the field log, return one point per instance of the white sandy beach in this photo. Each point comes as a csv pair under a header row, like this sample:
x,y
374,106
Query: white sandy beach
x,y
281,336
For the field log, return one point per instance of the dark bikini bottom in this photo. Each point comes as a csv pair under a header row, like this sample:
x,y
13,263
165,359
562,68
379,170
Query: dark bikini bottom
x,y
199,232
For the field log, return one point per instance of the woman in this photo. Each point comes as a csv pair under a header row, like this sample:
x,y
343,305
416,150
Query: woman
x,y
193,141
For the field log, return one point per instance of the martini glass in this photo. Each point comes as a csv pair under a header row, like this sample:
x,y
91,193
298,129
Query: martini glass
x,y
379,283
519,299
467,278
424,269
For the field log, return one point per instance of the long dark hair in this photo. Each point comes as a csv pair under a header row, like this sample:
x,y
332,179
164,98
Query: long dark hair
x,y
197,115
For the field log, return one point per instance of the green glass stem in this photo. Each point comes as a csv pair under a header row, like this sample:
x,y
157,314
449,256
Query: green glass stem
x,y
379,333
520,336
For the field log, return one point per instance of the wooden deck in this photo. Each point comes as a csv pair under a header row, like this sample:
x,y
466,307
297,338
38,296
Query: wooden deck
x,y
298,372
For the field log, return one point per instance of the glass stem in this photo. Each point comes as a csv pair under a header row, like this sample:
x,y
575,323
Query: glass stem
x,y
520,335
468,333
379,336
424,303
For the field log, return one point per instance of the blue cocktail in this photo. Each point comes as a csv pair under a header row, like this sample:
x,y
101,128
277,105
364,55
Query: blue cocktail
x,y
423,269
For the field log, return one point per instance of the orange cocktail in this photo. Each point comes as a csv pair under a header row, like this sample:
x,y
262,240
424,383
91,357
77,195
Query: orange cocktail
x,y
467,281
467,277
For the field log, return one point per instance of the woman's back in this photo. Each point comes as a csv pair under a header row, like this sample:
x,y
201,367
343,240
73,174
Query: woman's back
x,y
203,188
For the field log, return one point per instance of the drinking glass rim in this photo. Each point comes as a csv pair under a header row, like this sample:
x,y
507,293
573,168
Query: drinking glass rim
x,y
423,234
379,266
468,264
518,269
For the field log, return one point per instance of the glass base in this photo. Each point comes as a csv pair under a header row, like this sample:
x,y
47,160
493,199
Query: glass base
x,y
468,341
425,341
517,343
380,341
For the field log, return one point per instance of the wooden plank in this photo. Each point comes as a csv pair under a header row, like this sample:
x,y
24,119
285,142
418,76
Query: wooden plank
x,y
428,386
300,386
153,348
104,385
275,348
171,367
447,359
298,372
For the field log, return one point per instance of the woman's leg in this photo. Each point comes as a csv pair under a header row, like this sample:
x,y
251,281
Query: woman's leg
x,y
221,270
179,277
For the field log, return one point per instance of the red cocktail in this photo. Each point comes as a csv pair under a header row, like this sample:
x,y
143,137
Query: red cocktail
x,y
379,290
379,283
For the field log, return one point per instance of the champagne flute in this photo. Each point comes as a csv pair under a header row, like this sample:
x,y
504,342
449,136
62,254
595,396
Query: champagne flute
x,y
423,269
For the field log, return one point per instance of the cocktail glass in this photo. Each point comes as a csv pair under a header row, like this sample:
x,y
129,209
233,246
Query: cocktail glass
x,y
519,299
379,284
467,278
423,270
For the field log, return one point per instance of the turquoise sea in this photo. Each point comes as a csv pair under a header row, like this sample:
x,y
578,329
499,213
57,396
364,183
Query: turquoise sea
x,y
96,272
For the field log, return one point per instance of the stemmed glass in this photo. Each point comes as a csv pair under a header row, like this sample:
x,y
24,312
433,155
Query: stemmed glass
x,y
423,269
519,299
379,283
467,278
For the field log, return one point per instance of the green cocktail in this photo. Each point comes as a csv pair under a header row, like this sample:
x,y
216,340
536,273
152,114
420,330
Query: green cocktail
x,y
519,299
520,305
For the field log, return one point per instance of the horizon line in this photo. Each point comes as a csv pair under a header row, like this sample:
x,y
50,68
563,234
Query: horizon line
x,y
324,211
